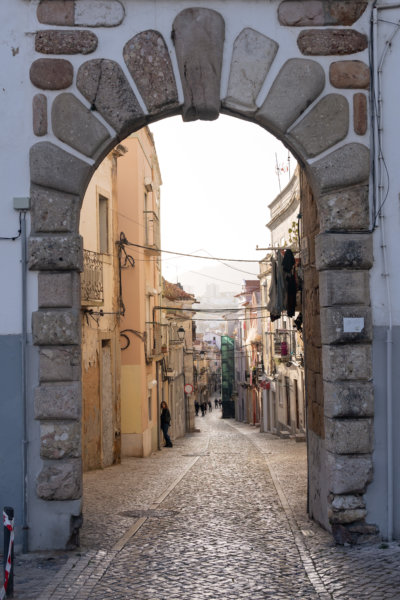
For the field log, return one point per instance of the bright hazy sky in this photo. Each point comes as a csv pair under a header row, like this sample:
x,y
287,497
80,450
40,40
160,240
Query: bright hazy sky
x,y
218,179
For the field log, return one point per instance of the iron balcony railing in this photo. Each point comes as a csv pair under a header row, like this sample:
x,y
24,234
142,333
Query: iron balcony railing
x,y
92,290
155,342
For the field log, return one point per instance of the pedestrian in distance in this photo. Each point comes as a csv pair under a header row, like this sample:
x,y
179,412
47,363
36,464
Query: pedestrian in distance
x,y
203,409
165,419
197,408
216,402
209,406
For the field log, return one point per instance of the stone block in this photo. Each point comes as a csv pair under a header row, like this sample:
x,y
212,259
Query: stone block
x,y
349,436
56,328
56,401
309,13
75,125
198,35
50,41
51,73
98,13
348,399
346,166
347,502
349,74
348,474
103,83
343,250
56,12
55,253
147,57
360,114
348,362
54,168
347,516
297,85
60,439
344,287
343,210
323,127
60,364
333,324
331,42
60,480
59,290
253,55
54,212
39,114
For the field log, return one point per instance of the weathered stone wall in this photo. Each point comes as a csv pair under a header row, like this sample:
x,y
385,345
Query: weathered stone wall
x,y
300,70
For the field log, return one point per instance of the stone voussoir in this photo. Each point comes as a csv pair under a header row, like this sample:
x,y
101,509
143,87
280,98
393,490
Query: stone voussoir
x,y
308,13
59,364
60,439
147,58
347,362
75,125
53,211
348,474
345,167
343,210
198,35
103,83
58,401
56,253
39,114
60,480
253,55
360,114
331,42
50,41
299,82
337,329
349,74
51,73
349,436
323,127
55,168
343,250
56,328
348,399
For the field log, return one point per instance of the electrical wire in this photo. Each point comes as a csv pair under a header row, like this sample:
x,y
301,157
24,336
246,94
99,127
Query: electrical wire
x,y
14,237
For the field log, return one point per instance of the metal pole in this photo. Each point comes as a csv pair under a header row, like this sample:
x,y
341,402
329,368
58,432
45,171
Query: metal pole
x,y
8,561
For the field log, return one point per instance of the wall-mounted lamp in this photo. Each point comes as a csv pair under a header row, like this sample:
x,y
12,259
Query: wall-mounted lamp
x,y
181,333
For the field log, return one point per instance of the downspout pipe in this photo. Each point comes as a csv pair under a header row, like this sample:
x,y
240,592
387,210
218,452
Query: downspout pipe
x,y
25,528
378,192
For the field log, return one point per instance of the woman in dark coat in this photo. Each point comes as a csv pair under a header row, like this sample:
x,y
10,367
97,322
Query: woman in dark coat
x,y
165,419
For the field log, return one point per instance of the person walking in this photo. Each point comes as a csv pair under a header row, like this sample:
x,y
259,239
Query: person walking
x,y
165,419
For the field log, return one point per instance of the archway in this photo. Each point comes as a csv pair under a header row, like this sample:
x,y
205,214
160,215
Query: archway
x,y
211,64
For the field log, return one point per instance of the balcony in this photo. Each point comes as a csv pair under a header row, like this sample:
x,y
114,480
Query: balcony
x,y
92,291
152,232
154,340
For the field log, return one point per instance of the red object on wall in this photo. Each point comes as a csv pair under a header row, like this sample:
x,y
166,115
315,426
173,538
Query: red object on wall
x,y
283,349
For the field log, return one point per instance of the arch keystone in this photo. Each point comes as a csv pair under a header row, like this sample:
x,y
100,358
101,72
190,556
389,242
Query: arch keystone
x,y
198,35
298,83
253,55
147,58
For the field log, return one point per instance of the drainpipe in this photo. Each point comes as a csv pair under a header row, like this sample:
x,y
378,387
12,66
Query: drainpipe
x,y
378,192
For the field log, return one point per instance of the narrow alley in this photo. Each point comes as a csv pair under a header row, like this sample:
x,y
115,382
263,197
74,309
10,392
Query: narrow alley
x,y
221,515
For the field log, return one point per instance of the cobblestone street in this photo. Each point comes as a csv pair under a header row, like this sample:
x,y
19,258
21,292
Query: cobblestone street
x,y
221,515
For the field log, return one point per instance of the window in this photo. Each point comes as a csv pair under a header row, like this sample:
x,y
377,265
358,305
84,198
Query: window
x,y
103,224
149,403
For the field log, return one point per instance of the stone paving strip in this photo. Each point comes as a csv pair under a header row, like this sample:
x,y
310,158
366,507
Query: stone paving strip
x,y
220,516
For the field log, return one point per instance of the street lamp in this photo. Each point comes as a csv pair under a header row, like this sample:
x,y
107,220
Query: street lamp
x,y
181,334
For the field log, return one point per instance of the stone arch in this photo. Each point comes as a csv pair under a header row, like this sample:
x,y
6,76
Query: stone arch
x,y
298,107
